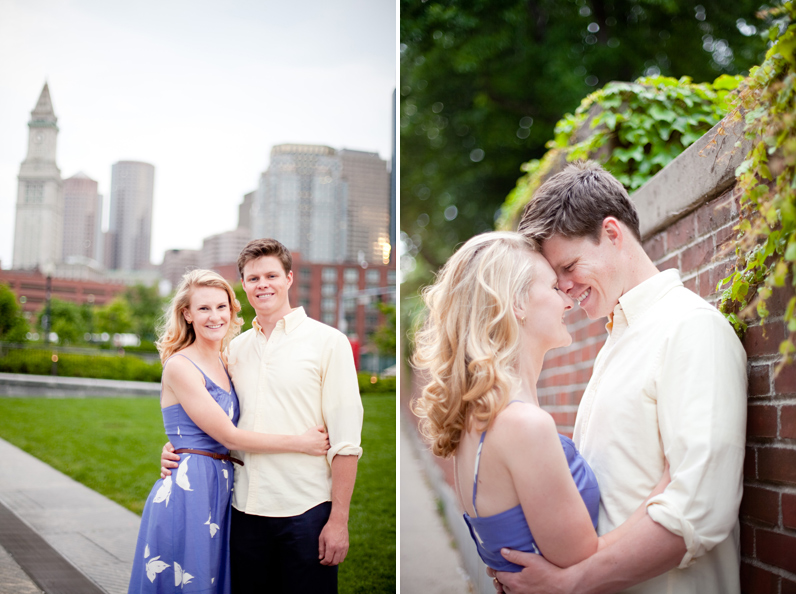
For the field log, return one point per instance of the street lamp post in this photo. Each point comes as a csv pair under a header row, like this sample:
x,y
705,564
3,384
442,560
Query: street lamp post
x,y
48,269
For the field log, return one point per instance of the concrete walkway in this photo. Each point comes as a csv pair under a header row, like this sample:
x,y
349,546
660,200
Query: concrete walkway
x,y
91,532
430,564
49,386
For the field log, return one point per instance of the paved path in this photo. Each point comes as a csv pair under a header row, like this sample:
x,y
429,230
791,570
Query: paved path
x,y
429,562
91,532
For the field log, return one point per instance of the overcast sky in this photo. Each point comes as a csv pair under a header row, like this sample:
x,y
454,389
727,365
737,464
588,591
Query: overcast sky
x,y
200,89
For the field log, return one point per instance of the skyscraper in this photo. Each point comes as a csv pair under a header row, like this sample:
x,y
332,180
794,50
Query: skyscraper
x,y
38,225
130,228
223,248
245,211
301,202
367,184
330,206
82,218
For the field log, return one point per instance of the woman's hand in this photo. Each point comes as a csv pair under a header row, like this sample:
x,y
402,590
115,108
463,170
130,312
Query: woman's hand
x,y
315,441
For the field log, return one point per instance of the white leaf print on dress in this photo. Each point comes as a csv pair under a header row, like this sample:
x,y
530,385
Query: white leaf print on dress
x,y
181,577
164,492
226,476
231,411
213,527
182,475
154,567
146,552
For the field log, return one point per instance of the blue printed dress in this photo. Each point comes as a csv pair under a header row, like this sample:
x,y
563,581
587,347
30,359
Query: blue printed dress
x,y
183,542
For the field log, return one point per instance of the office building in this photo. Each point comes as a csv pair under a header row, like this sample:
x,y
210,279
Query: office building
x,y
130,228
222,248
176,263
367,192
328,205
39,211
245,211
300,202
82,235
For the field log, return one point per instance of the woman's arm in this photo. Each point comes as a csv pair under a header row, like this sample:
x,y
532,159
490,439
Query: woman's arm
x,y
553,507
187,385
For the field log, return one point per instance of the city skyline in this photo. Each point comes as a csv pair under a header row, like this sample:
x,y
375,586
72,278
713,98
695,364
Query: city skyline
x,y
203,104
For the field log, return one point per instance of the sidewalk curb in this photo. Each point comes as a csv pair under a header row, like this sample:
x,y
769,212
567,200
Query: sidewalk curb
x,y
50,386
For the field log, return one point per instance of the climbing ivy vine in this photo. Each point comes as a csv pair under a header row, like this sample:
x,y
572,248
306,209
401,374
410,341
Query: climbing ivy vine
x,y
766,247
633,129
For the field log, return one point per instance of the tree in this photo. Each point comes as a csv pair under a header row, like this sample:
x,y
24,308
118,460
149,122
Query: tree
x,y
247,311
384,335
483,82
13,325
67,321
115,318
146,306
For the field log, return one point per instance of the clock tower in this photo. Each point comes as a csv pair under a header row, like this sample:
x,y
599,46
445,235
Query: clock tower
x,y
38,229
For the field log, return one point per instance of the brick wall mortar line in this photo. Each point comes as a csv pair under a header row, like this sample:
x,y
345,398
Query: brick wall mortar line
x,y
769,568
777,488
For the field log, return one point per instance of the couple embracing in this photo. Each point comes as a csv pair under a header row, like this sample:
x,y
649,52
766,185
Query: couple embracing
x,y
284,397
646,498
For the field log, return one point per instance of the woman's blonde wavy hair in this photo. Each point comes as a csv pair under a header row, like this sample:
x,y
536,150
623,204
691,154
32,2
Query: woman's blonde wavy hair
x,y
468,346
174,332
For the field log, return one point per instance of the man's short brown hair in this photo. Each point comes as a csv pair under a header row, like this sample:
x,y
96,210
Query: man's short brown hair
x,y
257,248
575,202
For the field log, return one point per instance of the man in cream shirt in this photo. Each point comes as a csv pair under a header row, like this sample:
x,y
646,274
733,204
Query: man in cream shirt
x,y
668,385
291,373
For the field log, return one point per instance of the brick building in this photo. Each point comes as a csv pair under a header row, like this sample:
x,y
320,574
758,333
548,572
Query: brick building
x,y
30,287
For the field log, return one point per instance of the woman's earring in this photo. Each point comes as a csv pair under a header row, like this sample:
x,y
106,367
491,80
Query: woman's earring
x,y
522,320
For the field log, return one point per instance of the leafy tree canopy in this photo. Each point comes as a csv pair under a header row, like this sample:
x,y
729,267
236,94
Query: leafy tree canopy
x,y
246,310
484,82
13,326
146,306
67,321
384,335
115,318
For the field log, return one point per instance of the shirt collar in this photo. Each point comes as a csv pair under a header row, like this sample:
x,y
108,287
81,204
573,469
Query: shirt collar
x,y
290,322
638,300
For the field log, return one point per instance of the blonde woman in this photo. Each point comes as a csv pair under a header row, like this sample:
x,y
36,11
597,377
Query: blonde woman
x,y
184,535
493,313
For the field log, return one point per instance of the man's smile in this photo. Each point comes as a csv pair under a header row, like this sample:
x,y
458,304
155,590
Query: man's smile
x,y
582,297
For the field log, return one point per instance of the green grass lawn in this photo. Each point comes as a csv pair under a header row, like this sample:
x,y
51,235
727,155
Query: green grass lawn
x,y
112,445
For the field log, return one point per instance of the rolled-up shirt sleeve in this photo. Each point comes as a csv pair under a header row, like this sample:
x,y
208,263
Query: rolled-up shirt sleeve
x,y
702,419
341,402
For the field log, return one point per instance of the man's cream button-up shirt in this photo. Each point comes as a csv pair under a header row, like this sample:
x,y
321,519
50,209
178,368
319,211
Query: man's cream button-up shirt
x,y
302,376
670,382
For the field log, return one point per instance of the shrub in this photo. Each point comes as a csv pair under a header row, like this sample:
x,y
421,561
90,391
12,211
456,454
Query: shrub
x,y
380,386
39,362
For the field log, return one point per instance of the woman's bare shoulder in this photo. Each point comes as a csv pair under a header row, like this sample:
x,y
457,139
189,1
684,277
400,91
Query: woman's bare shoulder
x,y
179,370
525,423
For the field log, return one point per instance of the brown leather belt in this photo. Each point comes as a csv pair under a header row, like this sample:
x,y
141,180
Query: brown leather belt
x,y
209,455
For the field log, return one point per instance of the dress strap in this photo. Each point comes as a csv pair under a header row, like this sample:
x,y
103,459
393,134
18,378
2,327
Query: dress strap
x,y
478,461
192,363
475,474
229,377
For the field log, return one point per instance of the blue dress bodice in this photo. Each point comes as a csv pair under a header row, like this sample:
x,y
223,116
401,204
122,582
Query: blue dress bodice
x,y
510,529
